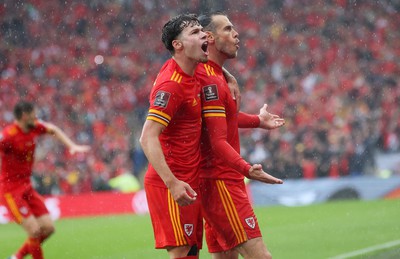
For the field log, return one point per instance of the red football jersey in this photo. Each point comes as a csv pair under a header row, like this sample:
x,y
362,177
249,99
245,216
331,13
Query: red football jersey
x,y
220,146
175,103
17,150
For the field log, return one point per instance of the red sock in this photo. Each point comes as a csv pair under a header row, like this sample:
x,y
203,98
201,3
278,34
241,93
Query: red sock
x,y
23,250
35,248
189,257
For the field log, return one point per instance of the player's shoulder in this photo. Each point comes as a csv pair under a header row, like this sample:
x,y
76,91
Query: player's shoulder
x,y
9,131
42,126
40,123
171,78
170,74
200,68
203,70
209,69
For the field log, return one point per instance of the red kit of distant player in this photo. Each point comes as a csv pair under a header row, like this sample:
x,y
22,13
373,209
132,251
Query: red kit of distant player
x,y
17,157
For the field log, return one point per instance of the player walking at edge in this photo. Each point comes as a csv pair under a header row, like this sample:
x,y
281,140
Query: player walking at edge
x,y
17,148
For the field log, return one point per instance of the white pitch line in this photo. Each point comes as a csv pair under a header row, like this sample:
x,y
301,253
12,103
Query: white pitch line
x,y
367,250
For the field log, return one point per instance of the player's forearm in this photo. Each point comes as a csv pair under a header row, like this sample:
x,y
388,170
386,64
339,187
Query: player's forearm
x,y
60,135
230,156
217,130
246,120
152,149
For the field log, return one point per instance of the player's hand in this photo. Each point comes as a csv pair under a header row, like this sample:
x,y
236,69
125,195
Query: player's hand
x,y
79,148
268,120
257,173
182,193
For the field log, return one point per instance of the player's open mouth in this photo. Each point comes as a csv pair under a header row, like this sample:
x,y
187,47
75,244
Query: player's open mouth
x,y
204,47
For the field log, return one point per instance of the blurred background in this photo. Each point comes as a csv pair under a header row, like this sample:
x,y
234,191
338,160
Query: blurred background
x,y
330,68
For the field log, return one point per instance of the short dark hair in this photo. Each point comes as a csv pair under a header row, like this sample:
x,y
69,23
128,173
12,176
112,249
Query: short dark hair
x,y
206,20
22,107
175,26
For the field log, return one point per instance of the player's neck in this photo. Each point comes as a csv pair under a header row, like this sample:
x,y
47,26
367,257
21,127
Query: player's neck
x,y
22,126
216,57
187,65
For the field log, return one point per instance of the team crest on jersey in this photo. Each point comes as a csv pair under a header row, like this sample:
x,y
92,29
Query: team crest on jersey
x,y
162,99
188,229
210,92
251,222
12,131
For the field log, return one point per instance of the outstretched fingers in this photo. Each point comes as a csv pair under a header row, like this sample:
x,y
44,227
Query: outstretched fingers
x,y
271,179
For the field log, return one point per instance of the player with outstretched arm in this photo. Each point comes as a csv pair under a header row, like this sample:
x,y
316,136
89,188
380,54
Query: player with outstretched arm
x,y
17,148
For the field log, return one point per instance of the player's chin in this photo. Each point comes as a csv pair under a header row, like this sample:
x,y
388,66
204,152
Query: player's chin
x,y
31,125
203,59
232,55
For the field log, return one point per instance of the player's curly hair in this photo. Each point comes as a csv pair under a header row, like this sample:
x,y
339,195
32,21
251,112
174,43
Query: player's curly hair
x,y
175,26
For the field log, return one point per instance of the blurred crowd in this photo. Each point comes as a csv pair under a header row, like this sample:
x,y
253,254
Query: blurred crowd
x,y
330,68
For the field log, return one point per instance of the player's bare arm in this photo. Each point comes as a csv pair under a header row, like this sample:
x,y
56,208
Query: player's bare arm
x,y
63,138
182,193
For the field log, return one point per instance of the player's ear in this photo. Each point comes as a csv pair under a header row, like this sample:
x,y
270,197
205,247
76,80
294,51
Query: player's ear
x,y
177,44
210,36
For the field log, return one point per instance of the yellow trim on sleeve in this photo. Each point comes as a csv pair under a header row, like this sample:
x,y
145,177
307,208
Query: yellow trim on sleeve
x,y
152,118
213,108
163,114
214,115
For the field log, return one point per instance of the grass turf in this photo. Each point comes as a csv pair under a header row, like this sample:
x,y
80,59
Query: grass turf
x,y
316,231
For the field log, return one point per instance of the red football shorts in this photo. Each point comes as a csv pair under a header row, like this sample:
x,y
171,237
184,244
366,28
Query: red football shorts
x,y
23,202
230,219
173,225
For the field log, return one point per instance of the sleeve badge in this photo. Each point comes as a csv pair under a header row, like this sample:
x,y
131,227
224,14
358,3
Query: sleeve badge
x,y
162,99
210,93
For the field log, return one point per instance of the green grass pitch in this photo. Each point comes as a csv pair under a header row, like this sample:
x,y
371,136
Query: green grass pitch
x,y
316,231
